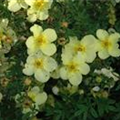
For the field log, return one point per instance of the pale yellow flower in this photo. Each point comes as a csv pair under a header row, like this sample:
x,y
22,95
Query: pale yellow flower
x,y
86,48
73,69
107,44
108,73
40,65
7,36
38,9
26,100
37,96
42,40
15,5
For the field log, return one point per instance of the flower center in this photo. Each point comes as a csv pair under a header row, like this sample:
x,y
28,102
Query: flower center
x,y
38,63
41,40
106,44
39,4
72,67
8,39
27,103
80,48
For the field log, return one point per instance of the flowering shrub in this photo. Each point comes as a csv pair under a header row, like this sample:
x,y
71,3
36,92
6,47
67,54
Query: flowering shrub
x,y
59,60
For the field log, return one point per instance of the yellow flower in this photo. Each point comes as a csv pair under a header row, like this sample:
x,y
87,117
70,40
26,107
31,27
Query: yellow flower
x,y
38,9
108,73
15,5
73,69
37,96
7,36
40,65
42,40
107,44
85,48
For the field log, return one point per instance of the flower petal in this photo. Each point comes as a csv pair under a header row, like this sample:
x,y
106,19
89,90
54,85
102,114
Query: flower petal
x,y
66,57
114,51
30,42
42,75
48,49
13,6
64,73
50,64
43,15
84,68
50,34
36,29
103,54
28,70
102,34
30,59
90,56
35,90
114,38
29,2
75,79
32,17
41,98
88,40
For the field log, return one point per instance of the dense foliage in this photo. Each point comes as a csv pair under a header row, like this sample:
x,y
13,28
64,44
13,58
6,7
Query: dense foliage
x,y
45,71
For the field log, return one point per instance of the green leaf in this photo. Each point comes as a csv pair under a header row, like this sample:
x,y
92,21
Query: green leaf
x,y
112,108
101,110
85,115
82,109
93,112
